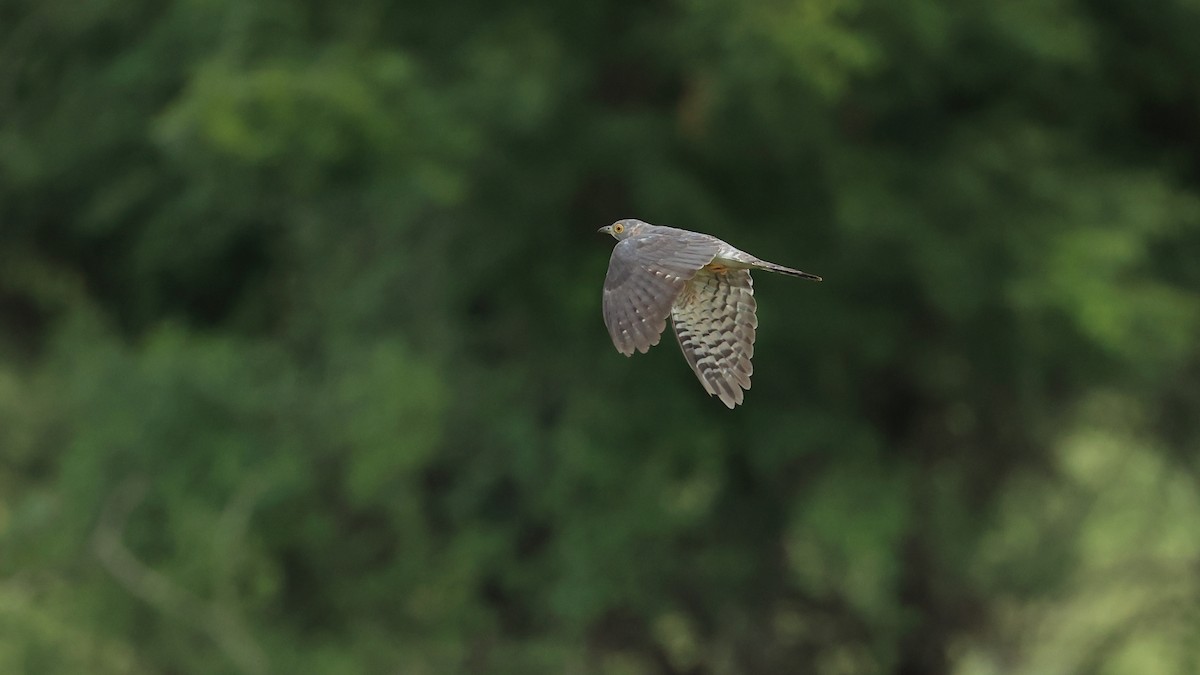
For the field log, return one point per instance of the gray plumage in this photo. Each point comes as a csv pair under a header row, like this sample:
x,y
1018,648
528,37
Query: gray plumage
x,y
698,281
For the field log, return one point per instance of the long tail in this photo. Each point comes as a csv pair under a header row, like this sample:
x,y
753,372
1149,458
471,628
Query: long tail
x,y
772,267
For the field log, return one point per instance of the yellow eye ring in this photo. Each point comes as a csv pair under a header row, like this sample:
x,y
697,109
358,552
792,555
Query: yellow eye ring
x,y
618,228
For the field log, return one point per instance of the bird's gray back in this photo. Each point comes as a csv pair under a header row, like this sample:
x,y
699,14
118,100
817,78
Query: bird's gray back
x,y
724,250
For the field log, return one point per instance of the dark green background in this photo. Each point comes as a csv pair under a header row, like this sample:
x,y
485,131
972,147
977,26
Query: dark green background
x,y
302,368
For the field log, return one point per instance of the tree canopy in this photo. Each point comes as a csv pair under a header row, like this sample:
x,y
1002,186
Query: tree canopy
x,y
302,366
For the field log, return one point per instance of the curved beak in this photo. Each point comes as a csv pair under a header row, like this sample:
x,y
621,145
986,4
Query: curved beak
x,y
607,229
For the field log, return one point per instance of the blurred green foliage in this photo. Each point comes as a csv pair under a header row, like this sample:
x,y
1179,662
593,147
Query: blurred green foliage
x,y
302,366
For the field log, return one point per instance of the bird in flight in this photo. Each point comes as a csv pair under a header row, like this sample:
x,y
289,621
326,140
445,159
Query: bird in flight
x,y
702,283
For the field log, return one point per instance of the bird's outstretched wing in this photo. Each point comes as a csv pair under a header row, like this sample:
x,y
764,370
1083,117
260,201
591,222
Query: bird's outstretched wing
x,y
715,321
645,275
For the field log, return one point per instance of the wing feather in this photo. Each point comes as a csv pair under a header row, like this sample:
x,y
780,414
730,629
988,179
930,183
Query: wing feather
x,y
715,321
645,275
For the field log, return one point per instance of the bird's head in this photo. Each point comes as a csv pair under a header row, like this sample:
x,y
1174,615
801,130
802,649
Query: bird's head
x,y
623,228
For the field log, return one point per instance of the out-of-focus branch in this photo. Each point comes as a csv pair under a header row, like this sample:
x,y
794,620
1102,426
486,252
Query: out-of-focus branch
x,y
219,620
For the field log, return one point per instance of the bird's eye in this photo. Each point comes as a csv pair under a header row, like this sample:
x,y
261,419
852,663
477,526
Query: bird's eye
x,y
618,228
